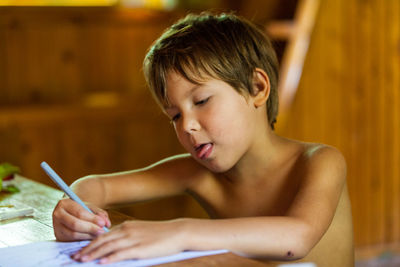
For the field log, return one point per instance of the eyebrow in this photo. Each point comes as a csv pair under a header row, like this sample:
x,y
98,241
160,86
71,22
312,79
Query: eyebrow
x,y
194,88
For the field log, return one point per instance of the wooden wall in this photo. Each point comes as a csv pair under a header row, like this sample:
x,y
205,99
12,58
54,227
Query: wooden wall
x,y
349,97
72,93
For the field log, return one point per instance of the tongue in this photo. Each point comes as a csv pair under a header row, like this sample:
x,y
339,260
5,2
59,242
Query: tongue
x,y
204,149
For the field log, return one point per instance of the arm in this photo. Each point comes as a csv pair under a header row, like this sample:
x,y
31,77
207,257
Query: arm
x,y
165,178
288,237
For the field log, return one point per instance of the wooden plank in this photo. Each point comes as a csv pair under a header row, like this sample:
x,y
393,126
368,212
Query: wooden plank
x,y
364,81
377,157
3,58
79,51
296,50
40,143
16,45
316,96
333,76
33,228
356,134
385,123
393,82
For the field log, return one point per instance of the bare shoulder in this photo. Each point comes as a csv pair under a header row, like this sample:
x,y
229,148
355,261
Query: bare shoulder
x,y
321,152
323,178
324,160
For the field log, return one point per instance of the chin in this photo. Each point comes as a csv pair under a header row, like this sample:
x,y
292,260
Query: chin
x,y
215,167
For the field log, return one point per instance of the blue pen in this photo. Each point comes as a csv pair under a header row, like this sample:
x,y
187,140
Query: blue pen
x,y
57,179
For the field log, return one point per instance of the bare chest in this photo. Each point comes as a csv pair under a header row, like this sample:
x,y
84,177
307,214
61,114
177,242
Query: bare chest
x,y
234,201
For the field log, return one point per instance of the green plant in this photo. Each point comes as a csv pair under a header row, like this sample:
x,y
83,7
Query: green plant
x,y
7,172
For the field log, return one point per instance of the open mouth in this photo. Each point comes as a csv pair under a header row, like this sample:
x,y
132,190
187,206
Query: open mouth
x,y
203,151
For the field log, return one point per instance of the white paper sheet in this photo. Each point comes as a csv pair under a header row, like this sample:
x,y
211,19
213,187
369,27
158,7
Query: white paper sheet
x,y
50,254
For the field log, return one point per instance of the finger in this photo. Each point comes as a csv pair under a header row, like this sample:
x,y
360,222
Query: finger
x,y
108,222
102,246
120,255
132,252
100,240
76,224
64,234
81,213
104,215
78,211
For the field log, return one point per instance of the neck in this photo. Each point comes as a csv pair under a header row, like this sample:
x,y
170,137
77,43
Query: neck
x,y
258,160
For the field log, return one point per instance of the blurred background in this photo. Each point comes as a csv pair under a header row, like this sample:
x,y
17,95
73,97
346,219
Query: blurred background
x,y
72,91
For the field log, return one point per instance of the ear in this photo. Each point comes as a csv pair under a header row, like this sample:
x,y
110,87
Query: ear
x,y
261,87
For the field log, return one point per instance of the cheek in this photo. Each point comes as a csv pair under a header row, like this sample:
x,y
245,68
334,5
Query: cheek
x,y
182,138
216,122
230,124
178,133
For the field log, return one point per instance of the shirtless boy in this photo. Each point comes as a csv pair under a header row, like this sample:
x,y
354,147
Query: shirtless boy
x,y
268,197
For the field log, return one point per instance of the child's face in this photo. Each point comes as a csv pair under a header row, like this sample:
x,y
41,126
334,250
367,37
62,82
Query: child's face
x,y
212,120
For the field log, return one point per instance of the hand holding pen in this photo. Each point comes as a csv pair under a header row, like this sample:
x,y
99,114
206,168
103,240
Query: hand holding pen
x,y
72,218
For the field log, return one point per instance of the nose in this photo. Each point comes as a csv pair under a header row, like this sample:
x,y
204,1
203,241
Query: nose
x,y
190,124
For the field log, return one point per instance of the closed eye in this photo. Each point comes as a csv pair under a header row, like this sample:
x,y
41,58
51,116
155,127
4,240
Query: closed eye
x,y
176,117
202,102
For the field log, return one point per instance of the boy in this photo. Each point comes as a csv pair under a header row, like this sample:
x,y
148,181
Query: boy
x,y
215,76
